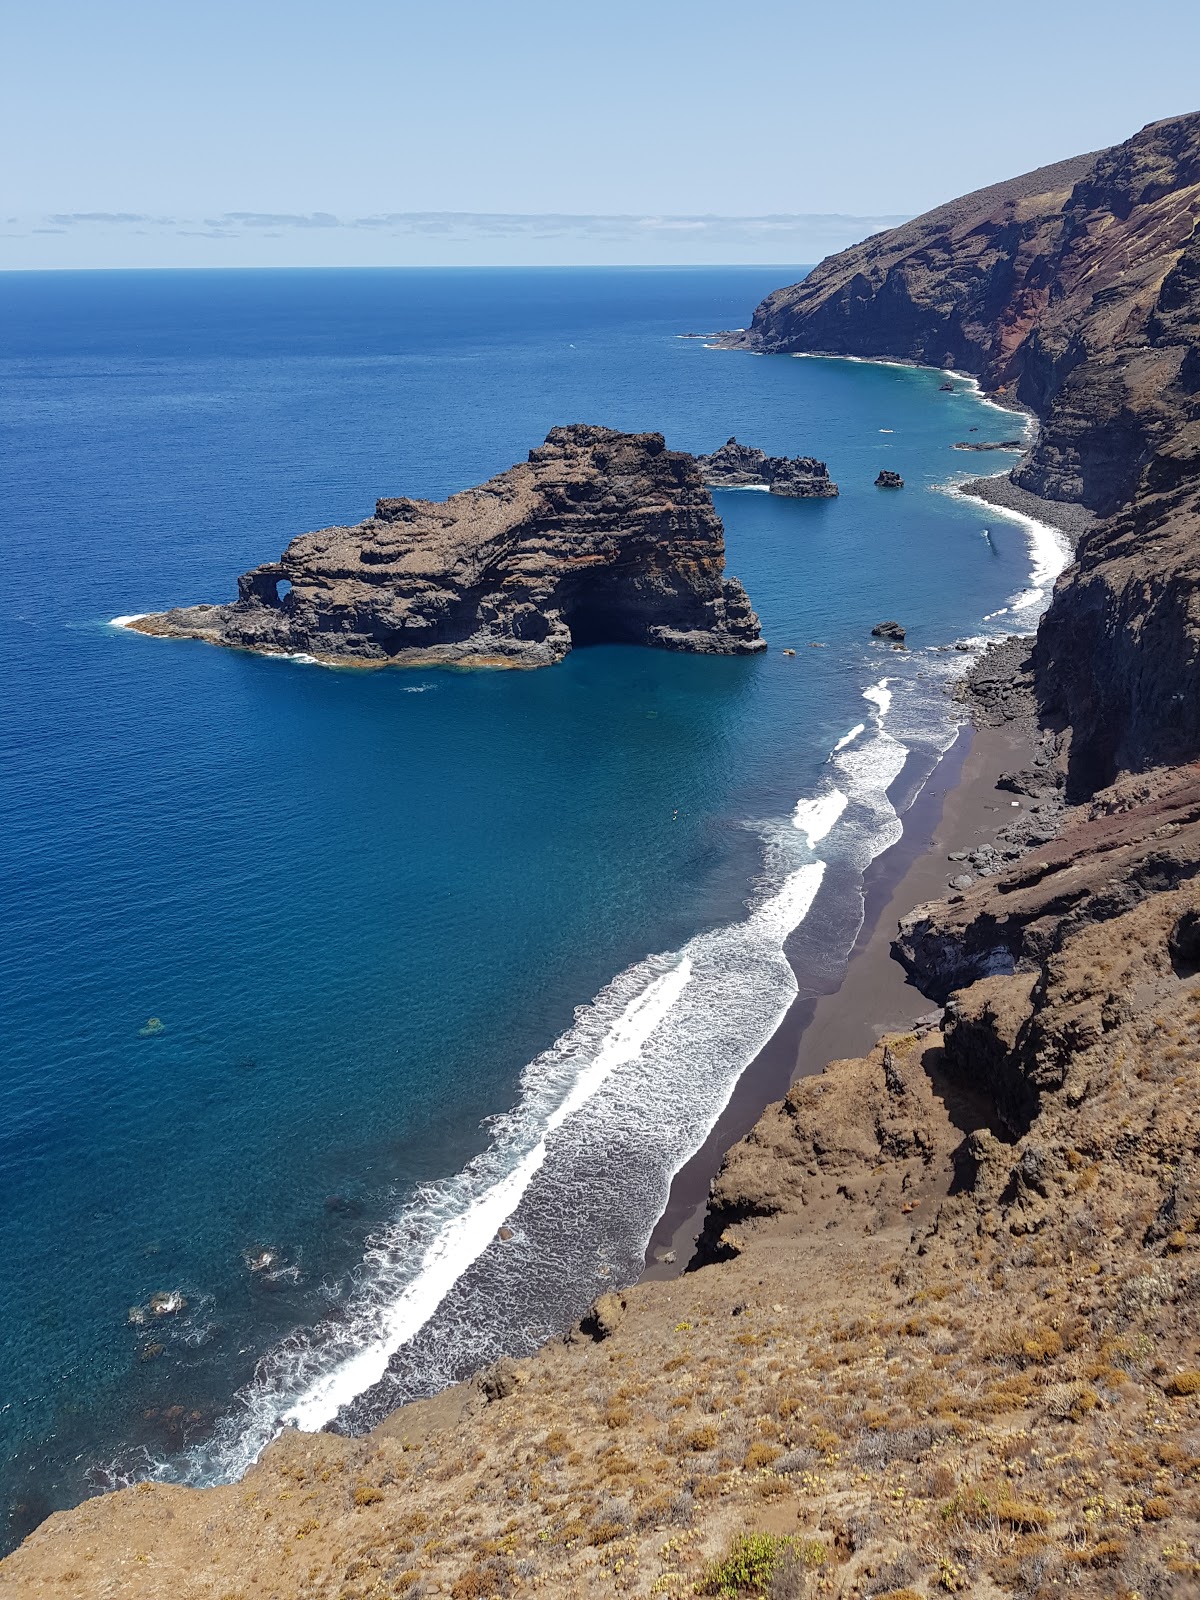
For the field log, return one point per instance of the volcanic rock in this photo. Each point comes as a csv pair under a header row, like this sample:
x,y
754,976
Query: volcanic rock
x,y
1072,289
737,466
1001,444
889,630
889,480
600,537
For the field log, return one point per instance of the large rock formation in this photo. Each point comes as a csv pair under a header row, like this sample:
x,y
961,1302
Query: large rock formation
x,y
600,537
741,466
1074,289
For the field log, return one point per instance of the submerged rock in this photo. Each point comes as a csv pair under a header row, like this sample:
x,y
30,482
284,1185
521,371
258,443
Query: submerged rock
x,y
599,538
741,466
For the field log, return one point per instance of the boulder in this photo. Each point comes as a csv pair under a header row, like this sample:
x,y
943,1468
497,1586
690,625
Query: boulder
x,y
889,630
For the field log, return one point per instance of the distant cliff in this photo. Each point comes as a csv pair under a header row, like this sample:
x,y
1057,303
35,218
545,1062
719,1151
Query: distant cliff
x,y
1074,290
600,537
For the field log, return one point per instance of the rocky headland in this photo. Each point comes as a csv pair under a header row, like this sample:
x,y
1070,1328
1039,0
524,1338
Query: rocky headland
x,y
600,537
941,1334
742,466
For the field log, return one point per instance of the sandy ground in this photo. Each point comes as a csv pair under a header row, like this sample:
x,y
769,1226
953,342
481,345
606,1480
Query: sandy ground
x,y
958,809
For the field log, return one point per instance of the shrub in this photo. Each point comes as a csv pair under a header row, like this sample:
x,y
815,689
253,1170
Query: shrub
x,y
366,1494
761,1455
702,1438
754,1560
1021,1516
1184,1383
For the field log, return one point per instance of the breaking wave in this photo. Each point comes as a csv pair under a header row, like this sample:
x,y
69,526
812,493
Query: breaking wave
x,y
578,1173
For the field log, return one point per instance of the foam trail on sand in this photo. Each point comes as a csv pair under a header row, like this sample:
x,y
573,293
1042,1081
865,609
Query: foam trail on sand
x,y
880,696
604,1119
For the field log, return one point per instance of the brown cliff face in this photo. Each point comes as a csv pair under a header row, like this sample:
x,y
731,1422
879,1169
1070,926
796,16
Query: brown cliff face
x,y
1073,289
600,537
1076,291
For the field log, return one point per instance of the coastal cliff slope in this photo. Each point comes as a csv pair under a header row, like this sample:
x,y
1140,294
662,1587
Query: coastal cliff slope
x,y
942,1333
1072,289
600,537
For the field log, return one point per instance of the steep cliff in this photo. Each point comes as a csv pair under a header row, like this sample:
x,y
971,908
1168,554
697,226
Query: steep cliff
x,y
600,537
1073,289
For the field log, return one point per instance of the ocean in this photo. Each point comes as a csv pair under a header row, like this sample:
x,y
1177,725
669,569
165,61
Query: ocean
x,y
431,953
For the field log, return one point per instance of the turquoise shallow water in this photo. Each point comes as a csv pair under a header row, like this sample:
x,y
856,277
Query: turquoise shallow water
x,y
368,907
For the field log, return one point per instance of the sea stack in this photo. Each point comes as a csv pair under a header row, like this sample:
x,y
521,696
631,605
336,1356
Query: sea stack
x,y
742,466
600,537
889,480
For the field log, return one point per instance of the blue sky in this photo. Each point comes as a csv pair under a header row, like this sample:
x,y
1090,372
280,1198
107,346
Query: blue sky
x,y
258,132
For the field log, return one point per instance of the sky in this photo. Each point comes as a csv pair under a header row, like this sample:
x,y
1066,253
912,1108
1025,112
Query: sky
x,y
384,132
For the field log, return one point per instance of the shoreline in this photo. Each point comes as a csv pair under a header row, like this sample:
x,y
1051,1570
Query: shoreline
x,y
958,808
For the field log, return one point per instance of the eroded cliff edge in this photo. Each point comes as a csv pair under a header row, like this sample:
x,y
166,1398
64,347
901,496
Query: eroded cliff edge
x,y
600,537
1075,291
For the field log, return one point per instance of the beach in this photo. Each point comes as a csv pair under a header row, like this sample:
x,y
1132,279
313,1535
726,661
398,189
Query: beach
x,y
958,809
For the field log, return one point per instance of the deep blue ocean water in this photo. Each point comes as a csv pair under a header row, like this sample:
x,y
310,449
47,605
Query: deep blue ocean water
x,y
367,907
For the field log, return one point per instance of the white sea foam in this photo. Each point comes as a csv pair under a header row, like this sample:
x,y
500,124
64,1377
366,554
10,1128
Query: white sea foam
x,y
123,622
880,696
652,1061
464,1239
816,817
605,1118
1049,550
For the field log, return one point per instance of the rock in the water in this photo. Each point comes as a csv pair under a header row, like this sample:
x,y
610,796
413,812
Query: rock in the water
x,y
1001,444
889,480
946,388
739,466
600,537
889,630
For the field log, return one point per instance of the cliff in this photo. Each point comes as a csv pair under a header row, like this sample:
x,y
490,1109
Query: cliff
x,y
1074,290
600,537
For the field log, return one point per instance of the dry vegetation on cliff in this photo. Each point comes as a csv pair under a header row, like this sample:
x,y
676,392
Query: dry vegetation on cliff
x,y
947,1339
951,1344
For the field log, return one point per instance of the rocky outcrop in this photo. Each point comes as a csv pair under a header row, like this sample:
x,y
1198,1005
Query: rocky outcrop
x,y
741,466
600,537
1139,839
895,631
1118,653
889,480
1074,289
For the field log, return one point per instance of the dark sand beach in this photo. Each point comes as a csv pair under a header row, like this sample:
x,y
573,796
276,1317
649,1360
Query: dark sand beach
x,y
959,808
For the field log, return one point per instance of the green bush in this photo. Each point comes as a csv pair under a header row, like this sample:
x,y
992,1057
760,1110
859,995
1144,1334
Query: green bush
x,y
754,1559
